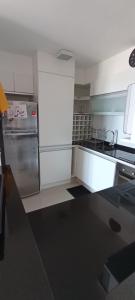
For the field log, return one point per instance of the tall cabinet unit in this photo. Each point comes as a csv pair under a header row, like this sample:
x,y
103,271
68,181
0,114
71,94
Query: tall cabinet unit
x,y
55,98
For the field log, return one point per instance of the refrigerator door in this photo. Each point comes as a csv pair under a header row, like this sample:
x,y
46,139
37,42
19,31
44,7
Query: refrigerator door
x,y
21,153
26,123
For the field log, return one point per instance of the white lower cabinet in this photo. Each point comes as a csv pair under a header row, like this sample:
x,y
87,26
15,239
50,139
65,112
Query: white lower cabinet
x,y
96,172
55,166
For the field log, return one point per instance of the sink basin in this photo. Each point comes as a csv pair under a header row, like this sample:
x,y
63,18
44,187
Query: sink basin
x,y
105,147
97,144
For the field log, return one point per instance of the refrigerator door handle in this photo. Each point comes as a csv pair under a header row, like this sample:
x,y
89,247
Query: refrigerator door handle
x,y
19,133
19,130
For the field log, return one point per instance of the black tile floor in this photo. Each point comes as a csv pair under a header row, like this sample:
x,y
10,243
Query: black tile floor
x,y
74,244
78,191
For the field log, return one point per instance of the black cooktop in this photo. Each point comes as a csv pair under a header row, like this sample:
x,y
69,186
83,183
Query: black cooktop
x,y
122,195
122,155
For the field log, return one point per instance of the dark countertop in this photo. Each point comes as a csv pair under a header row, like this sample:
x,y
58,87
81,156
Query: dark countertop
x,y
119,152
74,245
63,257
22,274
122,195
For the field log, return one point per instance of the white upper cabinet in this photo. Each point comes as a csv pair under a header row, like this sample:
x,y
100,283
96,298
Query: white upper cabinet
x,y
111,75
23,83
16,82
113,82
55,109
7,80
16,73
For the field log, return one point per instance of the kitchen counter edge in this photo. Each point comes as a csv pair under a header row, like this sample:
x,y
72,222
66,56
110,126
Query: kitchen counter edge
x,y
105,156
22,274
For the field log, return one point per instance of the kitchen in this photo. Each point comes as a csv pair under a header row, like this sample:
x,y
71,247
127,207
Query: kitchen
x,y
79,115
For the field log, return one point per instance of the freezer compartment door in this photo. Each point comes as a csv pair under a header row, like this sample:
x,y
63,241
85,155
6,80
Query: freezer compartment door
x,y
21,153
28,122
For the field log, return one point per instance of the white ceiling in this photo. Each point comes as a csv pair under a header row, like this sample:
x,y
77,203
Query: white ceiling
x,y
93,29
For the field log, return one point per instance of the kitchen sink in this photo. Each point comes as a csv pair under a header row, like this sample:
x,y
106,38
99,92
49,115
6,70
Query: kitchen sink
x,y
97,144
105,147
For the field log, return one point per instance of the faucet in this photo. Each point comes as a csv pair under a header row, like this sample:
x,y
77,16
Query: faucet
x,y
114,135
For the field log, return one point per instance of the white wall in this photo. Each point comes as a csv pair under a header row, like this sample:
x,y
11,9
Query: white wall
x,y
80,76
16,63
50,64
111,75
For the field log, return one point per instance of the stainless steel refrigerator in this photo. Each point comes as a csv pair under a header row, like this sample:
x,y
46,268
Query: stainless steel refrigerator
x,y
21,145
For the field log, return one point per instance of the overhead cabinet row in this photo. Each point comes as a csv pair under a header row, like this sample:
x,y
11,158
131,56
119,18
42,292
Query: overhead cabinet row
x,y
16,82
109,82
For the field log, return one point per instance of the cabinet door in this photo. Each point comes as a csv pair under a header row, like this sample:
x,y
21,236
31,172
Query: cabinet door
x,y
7,80
96,172
23,83
55,109
82,165
55,166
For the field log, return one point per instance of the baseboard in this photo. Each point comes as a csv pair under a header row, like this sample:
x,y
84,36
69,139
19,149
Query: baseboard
x,y
50,185
86,186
